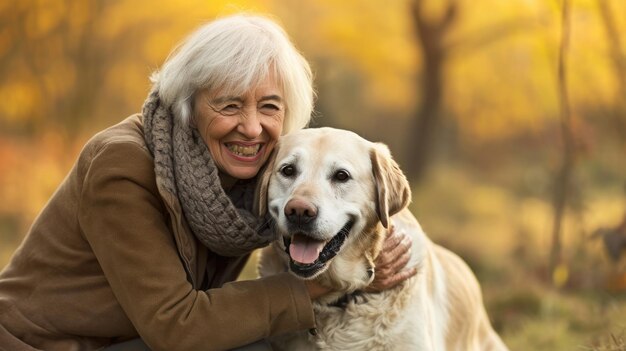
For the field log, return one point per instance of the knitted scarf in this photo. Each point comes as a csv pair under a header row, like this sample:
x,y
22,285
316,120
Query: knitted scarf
x,y
183,165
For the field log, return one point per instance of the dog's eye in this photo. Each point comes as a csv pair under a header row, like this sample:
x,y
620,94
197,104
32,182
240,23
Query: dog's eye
x,y
341,175
288,170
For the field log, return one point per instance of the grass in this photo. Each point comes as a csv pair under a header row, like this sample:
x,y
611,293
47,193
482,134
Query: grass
x,y
504,235
612,343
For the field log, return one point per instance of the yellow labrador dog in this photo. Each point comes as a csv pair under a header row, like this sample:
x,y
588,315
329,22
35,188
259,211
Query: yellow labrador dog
x,y
331,194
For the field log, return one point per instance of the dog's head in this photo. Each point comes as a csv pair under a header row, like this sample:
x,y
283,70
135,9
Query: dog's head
x,y
329,191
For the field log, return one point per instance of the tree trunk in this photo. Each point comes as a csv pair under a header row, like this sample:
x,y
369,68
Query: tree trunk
x,y
423,130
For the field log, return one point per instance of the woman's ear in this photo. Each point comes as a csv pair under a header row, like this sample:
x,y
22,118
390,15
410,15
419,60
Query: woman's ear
x,y
392,188
260,196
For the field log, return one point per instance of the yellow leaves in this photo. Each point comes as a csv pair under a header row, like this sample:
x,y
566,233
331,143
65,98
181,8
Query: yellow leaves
x,y
507,85
29,95
560,275
374,41
157,46
58,82
20,100
495,87
30,171
83,12
45,16
130,80
5,41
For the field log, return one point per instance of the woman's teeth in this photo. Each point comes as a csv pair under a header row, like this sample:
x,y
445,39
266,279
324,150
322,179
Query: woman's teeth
x,y
241,150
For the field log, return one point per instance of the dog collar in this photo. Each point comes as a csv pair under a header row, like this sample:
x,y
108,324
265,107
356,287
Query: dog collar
x,y
343,301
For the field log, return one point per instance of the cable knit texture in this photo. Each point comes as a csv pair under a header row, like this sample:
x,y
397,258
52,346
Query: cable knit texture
x,y
183,166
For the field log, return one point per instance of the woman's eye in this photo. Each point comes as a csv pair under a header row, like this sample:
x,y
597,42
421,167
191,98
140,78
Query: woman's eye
x,y
341,176
230,109
270,109
288,171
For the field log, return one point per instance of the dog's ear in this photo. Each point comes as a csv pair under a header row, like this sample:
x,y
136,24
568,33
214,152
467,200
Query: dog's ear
x,y
260,195
392,188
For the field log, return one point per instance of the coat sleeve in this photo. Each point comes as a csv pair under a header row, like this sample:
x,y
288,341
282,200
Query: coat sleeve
x,y
122,217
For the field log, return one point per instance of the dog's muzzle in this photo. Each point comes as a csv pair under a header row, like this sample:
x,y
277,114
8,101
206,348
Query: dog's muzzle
x,y
330,250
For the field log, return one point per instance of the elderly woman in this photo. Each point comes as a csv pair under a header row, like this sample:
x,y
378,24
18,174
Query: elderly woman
x,y
153,222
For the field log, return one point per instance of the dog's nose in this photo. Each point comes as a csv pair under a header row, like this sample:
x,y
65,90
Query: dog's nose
x,y
300,211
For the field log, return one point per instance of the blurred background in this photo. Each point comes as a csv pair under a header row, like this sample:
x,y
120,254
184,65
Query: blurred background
x,y
509,117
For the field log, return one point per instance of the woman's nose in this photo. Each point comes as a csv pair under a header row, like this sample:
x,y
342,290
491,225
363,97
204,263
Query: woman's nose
x,y
250,124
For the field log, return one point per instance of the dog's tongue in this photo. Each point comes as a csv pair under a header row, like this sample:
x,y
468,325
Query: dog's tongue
x,y
304,249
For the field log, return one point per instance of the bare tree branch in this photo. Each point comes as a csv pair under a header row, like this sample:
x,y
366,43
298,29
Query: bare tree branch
x,y
564,176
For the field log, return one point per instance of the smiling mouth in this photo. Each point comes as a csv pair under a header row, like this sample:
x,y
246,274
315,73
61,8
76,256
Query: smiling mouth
x,y
307,256
244,150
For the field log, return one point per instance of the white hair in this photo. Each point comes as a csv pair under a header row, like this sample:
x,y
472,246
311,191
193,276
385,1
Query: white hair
x,y
234,54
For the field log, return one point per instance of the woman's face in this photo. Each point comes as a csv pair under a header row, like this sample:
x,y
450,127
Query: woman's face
x,y
241,131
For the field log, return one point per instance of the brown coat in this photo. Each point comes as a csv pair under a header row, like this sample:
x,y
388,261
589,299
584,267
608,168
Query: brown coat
x,y
110,258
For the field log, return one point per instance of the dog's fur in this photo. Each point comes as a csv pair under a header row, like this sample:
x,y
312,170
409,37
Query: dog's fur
x,y
440,308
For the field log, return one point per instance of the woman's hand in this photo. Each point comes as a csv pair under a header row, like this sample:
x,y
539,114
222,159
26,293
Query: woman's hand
x,y
391,267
